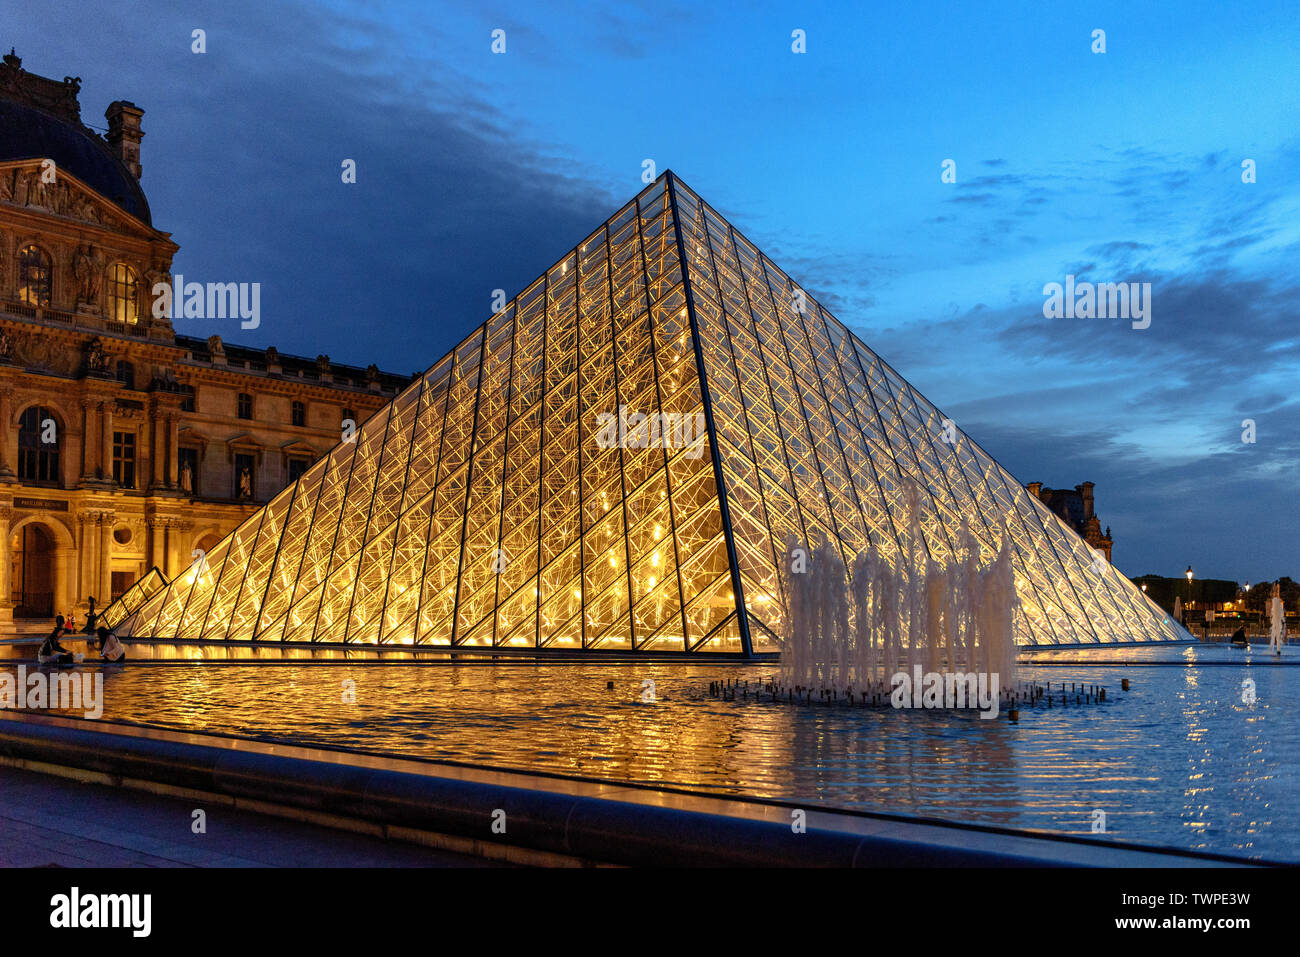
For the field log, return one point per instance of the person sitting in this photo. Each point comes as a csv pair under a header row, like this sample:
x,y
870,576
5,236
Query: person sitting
x,y
110,649
1239,636
91,617
53,653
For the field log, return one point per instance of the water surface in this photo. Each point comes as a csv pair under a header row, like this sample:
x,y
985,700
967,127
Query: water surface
x,y
1180,760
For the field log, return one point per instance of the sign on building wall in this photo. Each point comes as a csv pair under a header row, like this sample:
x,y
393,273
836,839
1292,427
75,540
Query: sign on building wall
x,y
50,504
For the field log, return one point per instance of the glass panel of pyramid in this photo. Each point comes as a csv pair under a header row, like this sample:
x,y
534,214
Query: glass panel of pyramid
x,y
615,462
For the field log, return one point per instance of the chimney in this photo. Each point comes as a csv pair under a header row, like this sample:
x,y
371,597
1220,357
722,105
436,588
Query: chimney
x,y
124,133
1035,489
1085,492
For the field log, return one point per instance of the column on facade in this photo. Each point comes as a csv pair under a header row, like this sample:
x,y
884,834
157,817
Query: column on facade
x,y
6,413
105,556
156,544
66,599
86,549
6,572
106,452
156,468
89,436
173,448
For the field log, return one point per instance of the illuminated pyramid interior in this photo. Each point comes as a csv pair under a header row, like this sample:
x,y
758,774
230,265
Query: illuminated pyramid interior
x,y
485,507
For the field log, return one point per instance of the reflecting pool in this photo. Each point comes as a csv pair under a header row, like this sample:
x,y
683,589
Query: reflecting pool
x,y
1182,759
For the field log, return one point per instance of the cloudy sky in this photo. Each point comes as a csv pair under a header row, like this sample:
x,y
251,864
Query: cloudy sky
x,y
476,171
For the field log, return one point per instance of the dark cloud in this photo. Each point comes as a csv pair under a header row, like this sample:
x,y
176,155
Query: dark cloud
x,y
242,163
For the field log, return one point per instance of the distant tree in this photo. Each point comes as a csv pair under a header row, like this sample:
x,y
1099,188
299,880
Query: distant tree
x,y
1260,592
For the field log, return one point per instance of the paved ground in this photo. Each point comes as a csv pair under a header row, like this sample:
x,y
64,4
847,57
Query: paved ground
x,y
46,820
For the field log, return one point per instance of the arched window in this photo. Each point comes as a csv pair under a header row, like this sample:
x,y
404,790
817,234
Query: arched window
x,y
123,294
38,446
299,413
35,276
125,373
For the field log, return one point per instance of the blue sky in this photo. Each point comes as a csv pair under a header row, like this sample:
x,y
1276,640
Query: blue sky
x,y
476,171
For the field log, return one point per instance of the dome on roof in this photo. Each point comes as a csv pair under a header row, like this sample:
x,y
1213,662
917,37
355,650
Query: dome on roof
x,y
27,132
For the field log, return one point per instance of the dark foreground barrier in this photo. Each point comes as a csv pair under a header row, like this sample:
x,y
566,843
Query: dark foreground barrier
x,y
573,820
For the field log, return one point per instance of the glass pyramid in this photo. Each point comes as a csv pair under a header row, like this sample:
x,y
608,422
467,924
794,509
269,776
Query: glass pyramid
x,y
614,461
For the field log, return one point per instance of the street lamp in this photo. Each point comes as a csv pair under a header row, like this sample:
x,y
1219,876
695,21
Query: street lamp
x,y
1189,593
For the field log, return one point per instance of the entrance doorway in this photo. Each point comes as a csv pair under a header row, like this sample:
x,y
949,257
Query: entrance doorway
x,y
32,586
121,581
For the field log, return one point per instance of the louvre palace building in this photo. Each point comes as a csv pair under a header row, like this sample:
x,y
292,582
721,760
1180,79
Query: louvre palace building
x,y
125,446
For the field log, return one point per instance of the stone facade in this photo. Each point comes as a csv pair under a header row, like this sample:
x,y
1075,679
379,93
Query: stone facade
x,y
1075,508
122,444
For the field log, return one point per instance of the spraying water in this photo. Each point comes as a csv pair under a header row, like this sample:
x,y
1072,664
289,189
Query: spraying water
x,y
856,630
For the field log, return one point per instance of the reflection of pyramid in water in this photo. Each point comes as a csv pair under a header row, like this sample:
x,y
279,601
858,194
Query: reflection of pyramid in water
x,y
485,505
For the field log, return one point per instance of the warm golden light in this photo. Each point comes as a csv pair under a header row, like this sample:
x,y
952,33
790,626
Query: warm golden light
x,y
809,434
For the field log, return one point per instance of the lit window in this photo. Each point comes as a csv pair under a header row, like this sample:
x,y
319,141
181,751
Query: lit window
x,y
124,459
38,446
34,276
123,294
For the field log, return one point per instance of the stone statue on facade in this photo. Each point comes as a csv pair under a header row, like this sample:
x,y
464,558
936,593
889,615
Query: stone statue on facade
x,y
88,268
187,479
96,358
245,483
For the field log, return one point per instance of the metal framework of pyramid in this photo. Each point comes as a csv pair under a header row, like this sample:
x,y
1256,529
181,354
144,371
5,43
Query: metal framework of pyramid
x,y
486,506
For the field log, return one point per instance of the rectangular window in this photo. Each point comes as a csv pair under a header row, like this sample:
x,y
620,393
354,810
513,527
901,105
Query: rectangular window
x,y
124,459
297,467
245,473
299,414
187,403
245,405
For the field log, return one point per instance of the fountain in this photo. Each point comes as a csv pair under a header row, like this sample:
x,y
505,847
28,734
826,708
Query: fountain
x,y
858,630
1277,619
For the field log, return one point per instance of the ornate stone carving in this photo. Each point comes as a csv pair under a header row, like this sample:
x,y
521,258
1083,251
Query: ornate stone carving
x,y
44,352
88,270
97,360
48,94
